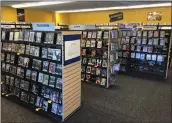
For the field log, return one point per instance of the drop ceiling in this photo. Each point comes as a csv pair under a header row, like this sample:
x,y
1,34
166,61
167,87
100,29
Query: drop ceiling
x,y
83,4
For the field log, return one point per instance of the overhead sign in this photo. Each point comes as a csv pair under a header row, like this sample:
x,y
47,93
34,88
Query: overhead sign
x,y
43,26
129,26
116,16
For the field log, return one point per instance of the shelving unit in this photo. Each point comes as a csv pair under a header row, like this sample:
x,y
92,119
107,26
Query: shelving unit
x,y
95,48
148,51
39,72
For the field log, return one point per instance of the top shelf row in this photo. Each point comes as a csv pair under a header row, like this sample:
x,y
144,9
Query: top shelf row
x,y
117,34
32,36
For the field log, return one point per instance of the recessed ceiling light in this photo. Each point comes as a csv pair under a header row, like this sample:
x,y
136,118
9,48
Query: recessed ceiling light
x,y
32,4
117,8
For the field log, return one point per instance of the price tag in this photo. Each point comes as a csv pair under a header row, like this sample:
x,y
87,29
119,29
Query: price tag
x,y
6,95
37,109
49,101
3,93
2,82
18,53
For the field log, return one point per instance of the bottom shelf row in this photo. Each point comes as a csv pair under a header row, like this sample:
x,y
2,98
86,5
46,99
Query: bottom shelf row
x,y
35,100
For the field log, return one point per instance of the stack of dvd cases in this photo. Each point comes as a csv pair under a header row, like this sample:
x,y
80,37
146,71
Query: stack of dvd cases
x,y
32,68
95,58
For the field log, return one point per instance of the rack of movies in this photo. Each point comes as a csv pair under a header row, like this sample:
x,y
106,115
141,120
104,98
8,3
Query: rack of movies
x,y
144,51
33,70
97,65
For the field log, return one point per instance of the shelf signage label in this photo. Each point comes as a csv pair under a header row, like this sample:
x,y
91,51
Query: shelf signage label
x,y
116,16
72,49
129,26
43,26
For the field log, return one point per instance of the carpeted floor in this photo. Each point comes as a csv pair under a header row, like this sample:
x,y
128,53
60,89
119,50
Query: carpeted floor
x,y
131,100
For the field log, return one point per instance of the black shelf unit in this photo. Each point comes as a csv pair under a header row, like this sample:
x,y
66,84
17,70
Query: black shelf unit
x,y
146,58
24,91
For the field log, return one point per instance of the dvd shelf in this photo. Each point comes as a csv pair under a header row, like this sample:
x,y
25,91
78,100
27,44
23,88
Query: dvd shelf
x,y
36,71
147,51
95,57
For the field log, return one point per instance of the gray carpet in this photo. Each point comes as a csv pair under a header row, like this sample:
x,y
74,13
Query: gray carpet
x,y
131,100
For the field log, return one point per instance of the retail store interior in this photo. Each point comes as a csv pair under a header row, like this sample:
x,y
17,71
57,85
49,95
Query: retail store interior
x,y
86,61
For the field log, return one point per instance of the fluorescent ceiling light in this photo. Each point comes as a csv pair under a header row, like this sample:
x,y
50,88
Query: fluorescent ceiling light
x,y
32,4
117,8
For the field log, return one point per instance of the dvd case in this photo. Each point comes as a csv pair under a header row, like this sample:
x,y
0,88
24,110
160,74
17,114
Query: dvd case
x,y
93,43
59,83
26,35
150,34
40,77
154,56
156,34
137,55
144,33
103,81
24,96
11,36
142,56
54,108
144,41
36,52
98,80
44,52
36,64
148,57
105,35
45,105
34,88
162,34
28,74
45,79
89,34
27,51
59,38
52,67
49,38
38,37
150,41
58,69
88,43
132,55
52,81
83,43
24,85
16,36
56,54
88,69
8,56
32,99
99,34
34,75
32,37
94,34
155,41
3,35
93,70
20,35
84,34
45,66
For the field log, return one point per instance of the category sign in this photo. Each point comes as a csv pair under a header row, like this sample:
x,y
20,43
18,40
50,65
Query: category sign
x,y
129,26
43,26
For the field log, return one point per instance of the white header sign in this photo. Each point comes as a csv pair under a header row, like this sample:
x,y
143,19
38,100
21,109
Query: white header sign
x,y
43,26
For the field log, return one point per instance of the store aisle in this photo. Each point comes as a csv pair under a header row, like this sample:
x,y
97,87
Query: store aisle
x,y
132,100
